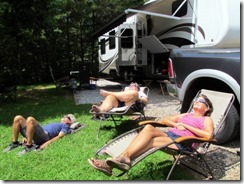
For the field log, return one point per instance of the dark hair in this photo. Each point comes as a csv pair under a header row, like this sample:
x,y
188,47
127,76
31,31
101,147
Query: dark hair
x,y
210,105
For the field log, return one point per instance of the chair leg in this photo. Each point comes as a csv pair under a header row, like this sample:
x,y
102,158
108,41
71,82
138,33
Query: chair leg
x,y
209,175
99,127
114,120
144,116
173,166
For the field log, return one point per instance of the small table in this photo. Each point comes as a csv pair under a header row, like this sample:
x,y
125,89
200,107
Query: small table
x,y
74,72
93,79
147,83
163,85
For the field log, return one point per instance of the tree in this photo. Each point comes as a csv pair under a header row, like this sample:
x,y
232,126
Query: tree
x,y
39,35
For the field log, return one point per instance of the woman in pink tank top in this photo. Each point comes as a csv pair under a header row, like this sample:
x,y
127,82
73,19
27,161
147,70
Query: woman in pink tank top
x,y
197,123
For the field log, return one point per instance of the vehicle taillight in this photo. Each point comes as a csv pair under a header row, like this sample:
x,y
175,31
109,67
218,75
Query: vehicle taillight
x,y
170,69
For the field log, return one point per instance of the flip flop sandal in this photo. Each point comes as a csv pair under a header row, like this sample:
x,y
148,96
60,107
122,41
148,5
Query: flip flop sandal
x,y
113,163
105,171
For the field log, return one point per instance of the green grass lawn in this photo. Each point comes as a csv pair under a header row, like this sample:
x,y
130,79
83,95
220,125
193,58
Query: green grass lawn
x,y
66,159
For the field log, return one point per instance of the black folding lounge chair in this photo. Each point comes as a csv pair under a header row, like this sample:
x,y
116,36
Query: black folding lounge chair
x,y
135,109
221,103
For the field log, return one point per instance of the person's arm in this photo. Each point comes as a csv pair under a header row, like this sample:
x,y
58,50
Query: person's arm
x,y
206,133
171,121
60,135
143,97
144,100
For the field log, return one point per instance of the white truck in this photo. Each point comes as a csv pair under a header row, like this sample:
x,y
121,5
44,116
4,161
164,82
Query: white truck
x,y
194,43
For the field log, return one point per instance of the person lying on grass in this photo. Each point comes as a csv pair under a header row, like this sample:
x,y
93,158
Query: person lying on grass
x,y
196,123
36,134
119,99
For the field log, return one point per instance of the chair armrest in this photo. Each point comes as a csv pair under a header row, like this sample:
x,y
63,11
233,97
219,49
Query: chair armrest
x,y
191,139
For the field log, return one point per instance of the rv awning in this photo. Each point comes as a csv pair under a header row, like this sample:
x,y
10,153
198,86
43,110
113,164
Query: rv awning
x,y
114,23
153,44
121,18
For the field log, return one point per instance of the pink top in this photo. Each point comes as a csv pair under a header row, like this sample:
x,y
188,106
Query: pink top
x,y
188,119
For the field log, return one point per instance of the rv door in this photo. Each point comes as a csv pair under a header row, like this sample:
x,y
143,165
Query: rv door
x,y
127,45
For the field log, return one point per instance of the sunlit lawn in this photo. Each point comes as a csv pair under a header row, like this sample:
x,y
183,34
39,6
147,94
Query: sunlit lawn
x,y
66,159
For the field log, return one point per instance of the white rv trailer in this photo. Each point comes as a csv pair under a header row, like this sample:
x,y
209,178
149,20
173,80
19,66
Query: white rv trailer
x,y
144,40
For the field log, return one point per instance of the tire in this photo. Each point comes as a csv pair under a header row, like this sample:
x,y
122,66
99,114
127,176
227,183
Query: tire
x,y
230,128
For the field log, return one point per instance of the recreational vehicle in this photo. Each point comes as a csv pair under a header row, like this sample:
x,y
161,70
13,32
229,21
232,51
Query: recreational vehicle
x,y
195,44
140,40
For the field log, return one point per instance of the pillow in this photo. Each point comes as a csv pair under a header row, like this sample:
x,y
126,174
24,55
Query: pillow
x,y
75,125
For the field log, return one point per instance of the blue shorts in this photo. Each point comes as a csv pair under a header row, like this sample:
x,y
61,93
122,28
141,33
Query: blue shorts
x,y
174,136
40,136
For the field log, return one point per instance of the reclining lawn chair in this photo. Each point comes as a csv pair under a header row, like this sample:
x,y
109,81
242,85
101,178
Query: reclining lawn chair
x,y
64,81
135,109
221,104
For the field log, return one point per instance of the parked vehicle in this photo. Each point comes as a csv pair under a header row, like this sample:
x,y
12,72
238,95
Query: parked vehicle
x,y
193,43
214,69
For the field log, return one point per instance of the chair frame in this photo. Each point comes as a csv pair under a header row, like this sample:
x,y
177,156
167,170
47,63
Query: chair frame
x,y
117,145
120,111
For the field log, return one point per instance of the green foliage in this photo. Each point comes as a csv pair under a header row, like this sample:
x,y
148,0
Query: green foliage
x,y
56,33
66,159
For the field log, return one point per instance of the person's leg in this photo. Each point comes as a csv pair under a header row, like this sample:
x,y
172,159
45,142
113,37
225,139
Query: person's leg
x,y
18,123
128,96
34,133
108,103
148,138
30,123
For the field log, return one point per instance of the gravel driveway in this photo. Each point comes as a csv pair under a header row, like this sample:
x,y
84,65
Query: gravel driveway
x,y
224,160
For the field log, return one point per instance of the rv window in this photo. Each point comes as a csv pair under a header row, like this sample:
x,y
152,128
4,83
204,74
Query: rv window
x,y
112,40
102,46
182,11
127,38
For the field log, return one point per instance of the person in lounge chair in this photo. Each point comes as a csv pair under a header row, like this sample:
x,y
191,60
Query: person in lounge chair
x,y
196,123
119,99
36,134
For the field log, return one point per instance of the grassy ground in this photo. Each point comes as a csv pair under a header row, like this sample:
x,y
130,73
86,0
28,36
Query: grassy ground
x,y
66,159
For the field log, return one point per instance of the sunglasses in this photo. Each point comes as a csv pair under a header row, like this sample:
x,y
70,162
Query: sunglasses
x,y
68,117
201,100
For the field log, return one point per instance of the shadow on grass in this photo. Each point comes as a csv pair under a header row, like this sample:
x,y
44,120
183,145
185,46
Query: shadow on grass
x,y
44,104
158,171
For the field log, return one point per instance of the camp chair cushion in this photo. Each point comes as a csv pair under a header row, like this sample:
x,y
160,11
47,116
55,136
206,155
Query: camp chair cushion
x,y
119,109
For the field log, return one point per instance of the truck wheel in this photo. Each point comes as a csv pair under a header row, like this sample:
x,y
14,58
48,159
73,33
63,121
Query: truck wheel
x,y
230,128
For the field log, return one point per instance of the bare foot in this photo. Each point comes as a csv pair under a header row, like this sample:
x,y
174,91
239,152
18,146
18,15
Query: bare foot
x,y
95,108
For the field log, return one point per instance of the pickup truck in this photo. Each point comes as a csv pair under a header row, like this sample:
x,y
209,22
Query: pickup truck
x,y
191,70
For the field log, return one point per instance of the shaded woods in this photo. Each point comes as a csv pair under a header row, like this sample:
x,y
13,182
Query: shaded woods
x,y
37,36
